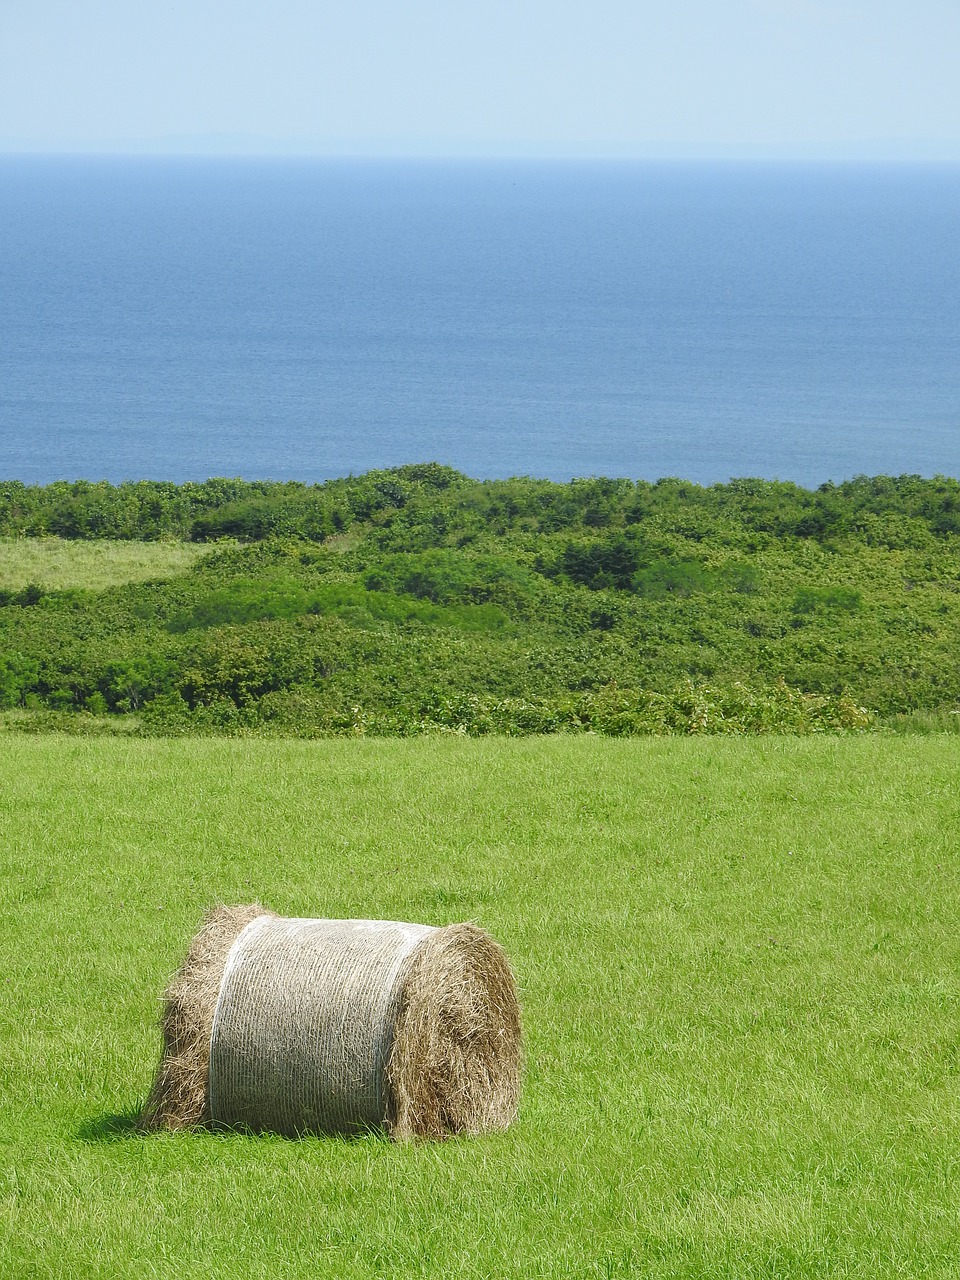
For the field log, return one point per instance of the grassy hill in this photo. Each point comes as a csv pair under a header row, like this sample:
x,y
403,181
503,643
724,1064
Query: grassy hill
x,y
417,600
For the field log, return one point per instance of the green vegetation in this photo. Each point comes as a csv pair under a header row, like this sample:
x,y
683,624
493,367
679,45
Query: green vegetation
x,y
57,564
417,600
739,968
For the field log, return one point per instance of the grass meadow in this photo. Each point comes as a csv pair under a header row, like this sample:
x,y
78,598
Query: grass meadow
x,y
59,564
739,964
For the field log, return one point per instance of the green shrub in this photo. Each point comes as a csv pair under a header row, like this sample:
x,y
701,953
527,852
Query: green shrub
x,y
826,600
450,577
18,676
598,565
675,578
127,684
244,600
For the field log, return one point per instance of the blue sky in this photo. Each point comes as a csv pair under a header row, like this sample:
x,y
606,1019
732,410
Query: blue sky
x,y
564,77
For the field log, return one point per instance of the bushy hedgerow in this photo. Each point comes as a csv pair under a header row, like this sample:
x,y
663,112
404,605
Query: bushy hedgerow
x,y
691,708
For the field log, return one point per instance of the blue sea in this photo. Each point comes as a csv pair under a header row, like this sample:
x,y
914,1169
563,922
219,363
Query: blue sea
x,y
297,319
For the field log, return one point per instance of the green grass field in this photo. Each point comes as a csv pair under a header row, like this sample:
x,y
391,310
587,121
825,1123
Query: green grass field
x,y
58,563
739,965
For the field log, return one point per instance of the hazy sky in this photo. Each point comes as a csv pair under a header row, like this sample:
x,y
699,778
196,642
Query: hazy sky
x,y
550,76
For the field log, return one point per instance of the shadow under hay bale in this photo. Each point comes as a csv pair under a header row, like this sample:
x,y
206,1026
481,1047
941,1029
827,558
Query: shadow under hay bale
x,y
338,1026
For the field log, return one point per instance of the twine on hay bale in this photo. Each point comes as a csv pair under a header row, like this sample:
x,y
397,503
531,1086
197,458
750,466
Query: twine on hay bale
x,y
338,1026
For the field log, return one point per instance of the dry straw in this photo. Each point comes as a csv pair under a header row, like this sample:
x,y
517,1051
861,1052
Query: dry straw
x,y
338,1026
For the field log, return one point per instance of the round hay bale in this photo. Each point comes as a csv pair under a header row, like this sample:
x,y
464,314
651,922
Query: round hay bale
x,y
178,1099
299,1026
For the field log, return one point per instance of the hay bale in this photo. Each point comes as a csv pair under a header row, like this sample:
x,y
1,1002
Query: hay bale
x,y
178,1099
338,1026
